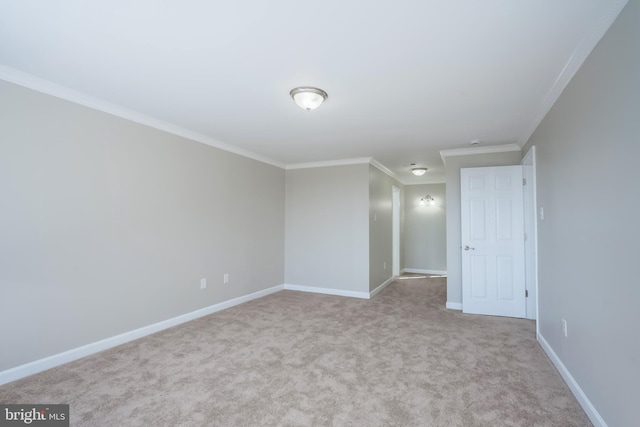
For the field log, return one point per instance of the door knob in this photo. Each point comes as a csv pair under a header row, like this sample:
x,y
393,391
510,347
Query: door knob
x,y
466,248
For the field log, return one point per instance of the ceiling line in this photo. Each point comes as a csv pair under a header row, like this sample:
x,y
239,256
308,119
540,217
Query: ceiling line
x,y
47,87
577,58
326,163
489,149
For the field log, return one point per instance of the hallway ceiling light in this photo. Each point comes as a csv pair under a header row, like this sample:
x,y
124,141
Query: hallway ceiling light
x,y
308,98
418,171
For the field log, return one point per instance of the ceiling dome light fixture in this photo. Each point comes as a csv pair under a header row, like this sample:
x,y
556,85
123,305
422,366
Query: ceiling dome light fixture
x,y
308,98
418,171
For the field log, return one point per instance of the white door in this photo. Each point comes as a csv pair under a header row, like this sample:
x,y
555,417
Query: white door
x,y
493,280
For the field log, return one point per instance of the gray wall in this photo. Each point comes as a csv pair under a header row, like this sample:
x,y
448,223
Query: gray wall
x,y
381,226
425,237
107,225
454,234
588,149
327,228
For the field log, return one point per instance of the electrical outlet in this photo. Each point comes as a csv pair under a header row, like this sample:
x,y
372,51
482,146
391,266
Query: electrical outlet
x,y
225,278
203,283
384,265
564,327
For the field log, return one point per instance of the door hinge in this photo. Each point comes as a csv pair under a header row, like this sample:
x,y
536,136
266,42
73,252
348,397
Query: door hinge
x,y
524,181
526,293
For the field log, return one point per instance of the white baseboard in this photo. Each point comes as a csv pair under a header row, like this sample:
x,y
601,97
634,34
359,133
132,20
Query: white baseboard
x,y
36,366
380,287
328,291
582,398
454,305
421,271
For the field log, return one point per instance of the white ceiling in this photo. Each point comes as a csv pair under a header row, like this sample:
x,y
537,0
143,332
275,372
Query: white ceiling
x,y
405,79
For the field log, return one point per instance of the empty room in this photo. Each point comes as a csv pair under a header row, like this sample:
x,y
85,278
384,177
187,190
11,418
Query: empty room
x,y
286,213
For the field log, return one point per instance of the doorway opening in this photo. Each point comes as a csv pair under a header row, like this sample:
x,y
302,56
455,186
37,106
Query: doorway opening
x,y
395,219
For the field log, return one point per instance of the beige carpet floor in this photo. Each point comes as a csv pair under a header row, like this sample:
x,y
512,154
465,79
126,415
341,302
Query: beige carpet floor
x,y
301,359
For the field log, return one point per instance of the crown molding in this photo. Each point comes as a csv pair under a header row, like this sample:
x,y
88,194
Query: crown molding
x,y
478,150
323,164
577,58
346,162
440,181
385,169
29,81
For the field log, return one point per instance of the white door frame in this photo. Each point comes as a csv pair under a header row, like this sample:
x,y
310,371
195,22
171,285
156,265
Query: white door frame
x,y
531,228
395,220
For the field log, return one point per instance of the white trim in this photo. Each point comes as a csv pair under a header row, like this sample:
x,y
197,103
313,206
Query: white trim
x,y
345,162
426,183
36,366
327,291
384,169
478,150
44,86
582,398
577,58
534,187
454,305
379,289
421,271
323,164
